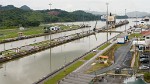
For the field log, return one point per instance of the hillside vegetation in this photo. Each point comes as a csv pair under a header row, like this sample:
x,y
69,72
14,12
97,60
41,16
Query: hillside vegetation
x,y
11,16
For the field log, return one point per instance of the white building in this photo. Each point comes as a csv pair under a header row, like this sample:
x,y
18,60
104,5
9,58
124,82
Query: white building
x,y
146,36
138,30
146,18
143,43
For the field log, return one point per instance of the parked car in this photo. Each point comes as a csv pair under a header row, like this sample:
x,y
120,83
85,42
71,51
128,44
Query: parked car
x,y
146,53
144,56
143,59
143,67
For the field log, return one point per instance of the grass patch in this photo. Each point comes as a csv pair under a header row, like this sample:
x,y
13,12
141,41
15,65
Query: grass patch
x,y
8,52
147,77
64,27
12,33
96,67
135,35
104,46
64,73
89,56
136,64
33,31
110,52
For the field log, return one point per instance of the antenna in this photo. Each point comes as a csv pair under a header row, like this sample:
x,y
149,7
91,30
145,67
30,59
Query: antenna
x,y
83,18
125,19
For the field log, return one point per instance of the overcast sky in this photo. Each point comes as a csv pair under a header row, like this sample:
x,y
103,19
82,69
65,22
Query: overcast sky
x,y
115,6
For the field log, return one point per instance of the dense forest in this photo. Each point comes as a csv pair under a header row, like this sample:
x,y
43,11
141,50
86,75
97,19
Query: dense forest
x,y
12,16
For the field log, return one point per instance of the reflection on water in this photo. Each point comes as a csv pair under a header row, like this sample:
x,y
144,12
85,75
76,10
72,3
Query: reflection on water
x,y
33,67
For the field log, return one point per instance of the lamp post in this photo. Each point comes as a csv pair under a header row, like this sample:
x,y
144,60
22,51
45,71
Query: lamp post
x,y
50,44
107,21
4,49
125,11
65,61
125,18
4,63
136,18
50,8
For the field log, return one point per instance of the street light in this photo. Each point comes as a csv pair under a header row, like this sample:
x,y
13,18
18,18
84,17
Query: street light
x,y
4,55
107,21
125,12
125,18
4,49
136,18
65,61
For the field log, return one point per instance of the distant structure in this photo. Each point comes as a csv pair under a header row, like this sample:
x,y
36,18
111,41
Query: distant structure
x,y
21,28
103,18
146,36
51,28
55,13
146,18
121,39
111,19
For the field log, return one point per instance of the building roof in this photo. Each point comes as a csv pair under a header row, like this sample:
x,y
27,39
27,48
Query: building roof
x,y
146,17
103,57
122,35
145,33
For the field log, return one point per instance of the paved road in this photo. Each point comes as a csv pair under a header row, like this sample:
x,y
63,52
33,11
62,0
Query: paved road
x,y
118,62
127,61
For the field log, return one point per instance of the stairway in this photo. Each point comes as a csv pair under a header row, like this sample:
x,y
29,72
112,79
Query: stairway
x,y
76,78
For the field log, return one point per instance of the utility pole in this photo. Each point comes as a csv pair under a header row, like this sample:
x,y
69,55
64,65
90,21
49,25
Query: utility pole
x,y
107,21
4,51
136,18
50,6
125,12
50,44
125,19
4,55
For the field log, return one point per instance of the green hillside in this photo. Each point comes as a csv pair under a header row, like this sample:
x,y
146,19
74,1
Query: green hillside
x,y
11,16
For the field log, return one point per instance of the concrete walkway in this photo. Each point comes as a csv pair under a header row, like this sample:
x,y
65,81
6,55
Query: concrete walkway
x,y
76,78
